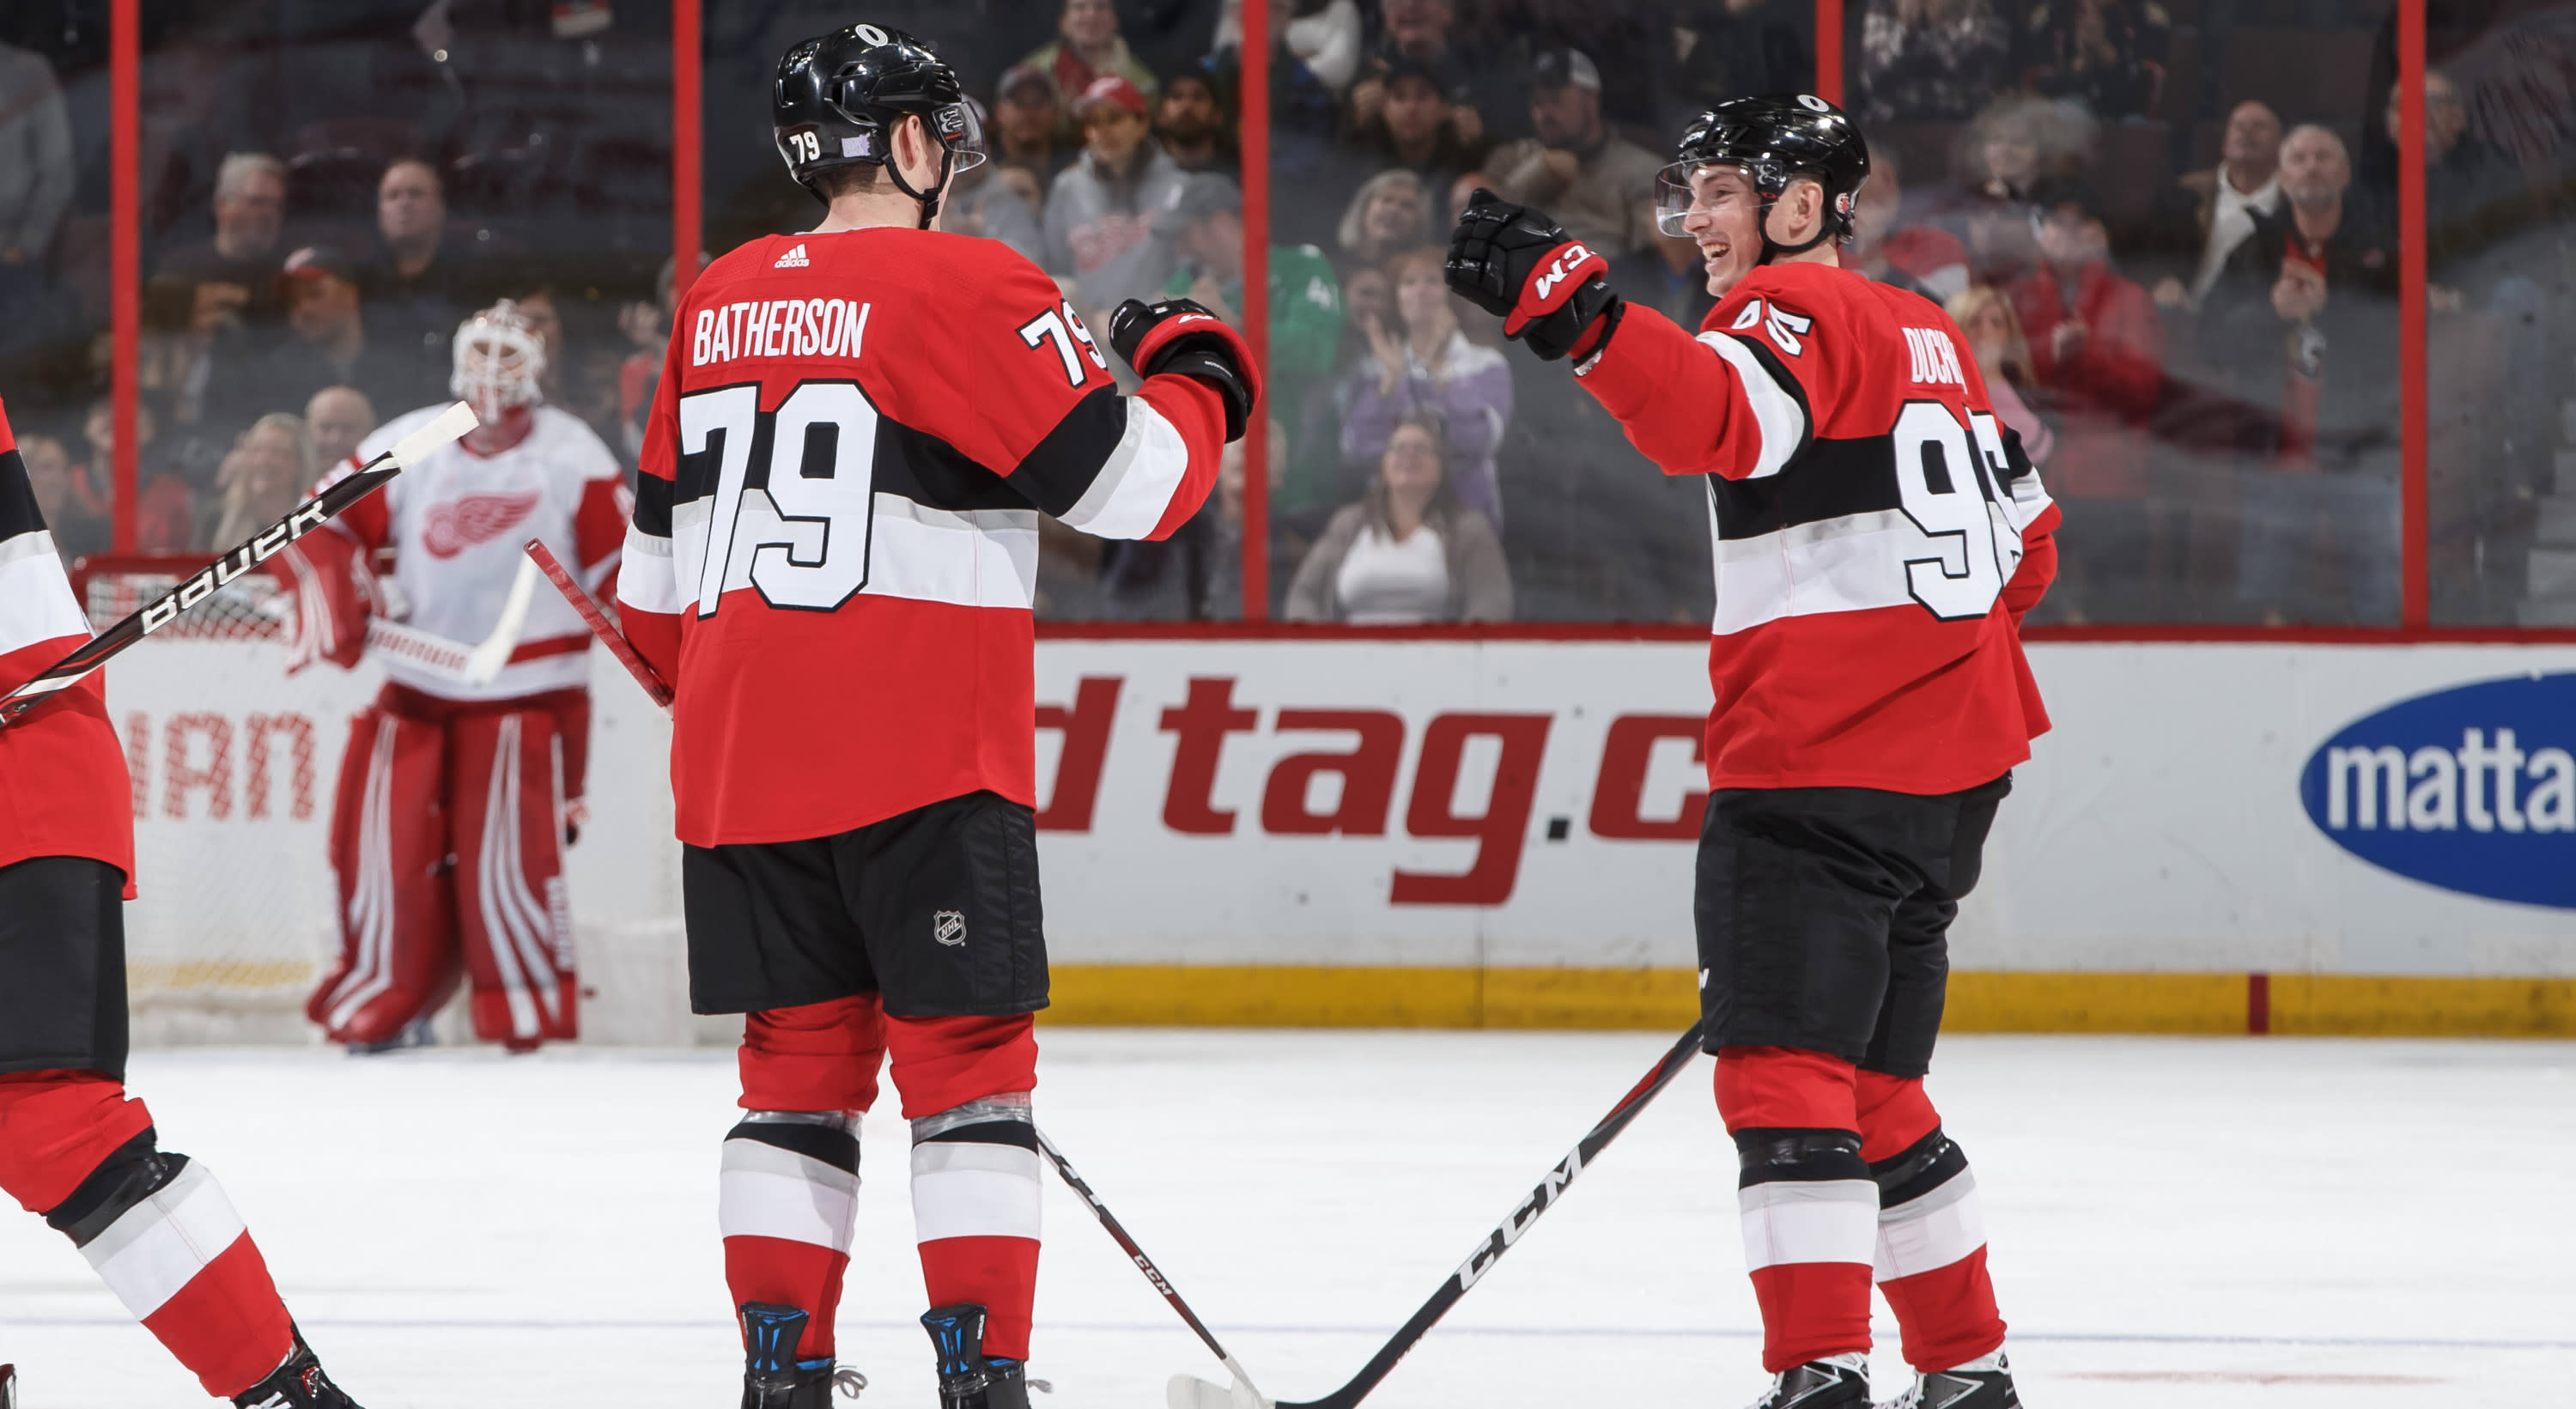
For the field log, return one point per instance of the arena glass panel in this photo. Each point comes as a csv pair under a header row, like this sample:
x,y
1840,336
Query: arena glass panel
x,y
55,301
2501,451
1395,403
326,192
2216,413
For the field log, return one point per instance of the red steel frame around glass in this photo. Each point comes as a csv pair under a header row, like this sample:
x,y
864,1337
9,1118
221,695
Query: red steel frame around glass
x,y
687,215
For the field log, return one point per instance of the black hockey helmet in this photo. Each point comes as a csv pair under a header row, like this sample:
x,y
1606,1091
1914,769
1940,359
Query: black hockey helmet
x,y
840,96
1775,139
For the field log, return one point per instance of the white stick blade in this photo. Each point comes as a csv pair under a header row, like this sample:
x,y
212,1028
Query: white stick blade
x,y
451,424
484,665
1191,1392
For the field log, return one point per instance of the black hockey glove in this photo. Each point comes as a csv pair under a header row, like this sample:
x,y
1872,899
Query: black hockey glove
x,y
1548,287
1180,337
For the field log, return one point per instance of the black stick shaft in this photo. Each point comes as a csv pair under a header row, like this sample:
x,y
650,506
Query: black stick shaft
x,y
1136,1254
1520,1220
197,587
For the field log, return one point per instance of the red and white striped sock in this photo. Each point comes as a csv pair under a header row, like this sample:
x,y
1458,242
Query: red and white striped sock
x,y
1931,1256
976,1195
184,1264
788,1203
1810,1209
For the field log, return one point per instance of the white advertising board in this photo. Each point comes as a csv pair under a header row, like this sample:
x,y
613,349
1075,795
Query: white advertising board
x,y
1455,803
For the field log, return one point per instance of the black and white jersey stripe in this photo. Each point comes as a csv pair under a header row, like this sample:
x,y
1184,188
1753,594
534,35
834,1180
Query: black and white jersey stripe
x,y
942,527
36,602
1831,534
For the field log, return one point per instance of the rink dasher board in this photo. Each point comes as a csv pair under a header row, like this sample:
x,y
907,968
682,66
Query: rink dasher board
x,y
2158,827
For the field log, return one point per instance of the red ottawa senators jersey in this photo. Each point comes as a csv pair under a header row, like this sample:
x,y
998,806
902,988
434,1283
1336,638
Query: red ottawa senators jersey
x,y
63,787
1878,533
834,552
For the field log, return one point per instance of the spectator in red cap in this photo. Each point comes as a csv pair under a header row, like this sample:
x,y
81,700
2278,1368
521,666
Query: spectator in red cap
x,y
2097,353
1100,214
1087,48
327,345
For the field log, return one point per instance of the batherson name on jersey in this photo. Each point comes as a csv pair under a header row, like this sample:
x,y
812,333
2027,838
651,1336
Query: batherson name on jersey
x,y
834,550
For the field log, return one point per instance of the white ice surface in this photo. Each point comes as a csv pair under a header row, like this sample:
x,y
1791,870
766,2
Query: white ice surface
x,y
2263,1222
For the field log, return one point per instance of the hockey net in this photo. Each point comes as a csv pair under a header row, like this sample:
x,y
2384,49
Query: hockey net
x,y
231,761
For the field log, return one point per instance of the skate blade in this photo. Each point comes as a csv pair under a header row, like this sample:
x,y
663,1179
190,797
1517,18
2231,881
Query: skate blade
x,y
1191,1392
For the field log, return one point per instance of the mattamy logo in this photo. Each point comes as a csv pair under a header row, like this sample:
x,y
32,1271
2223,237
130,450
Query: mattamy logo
x,y
2471,789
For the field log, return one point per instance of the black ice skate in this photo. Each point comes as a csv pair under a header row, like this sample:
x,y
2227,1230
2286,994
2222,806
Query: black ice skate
x,y
772,1376
1976,1385
8,1387
967,1378
1838,1383
297,1384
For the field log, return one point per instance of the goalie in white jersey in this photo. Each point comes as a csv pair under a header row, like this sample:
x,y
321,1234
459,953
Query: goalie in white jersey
x,y
457,797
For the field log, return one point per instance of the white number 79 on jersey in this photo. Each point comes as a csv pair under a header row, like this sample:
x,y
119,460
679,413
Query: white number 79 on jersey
x,y
795,526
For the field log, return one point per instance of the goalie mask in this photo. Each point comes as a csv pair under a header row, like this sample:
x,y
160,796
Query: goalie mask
x,y
499,362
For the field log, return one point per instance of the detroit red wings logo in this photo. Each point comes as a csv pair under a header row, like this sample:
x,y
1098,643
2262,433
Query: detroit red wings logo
x,y
459,524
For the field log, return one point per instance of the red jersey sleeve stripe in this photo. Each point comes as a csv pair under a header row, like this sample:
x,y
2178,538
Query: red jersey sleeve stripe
x,y
1779,409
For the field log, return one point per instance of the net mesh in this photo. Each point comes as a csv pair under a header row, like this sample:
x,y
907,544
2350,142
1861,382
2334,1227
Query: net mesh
x,y
244,609
230,761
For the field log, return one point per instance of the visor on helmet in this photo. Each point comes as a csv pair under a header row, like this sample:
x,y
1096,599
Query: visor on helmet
x,y
1678,189
961,127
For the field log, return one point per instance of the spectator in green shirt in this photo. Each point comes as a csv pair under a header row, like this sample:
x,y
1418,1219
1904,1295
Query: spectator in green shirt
x,y
1206,229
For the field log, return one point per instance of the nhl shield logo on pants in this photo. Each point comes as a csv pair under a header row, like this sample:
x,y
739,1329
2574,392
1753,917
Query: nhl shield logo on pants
x,y
948,927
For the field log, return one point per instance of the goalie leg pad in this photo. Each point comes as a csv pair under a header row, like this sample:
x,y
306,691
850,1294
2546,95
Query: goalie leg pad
x,y
62,945
389,847
155,1226
505,783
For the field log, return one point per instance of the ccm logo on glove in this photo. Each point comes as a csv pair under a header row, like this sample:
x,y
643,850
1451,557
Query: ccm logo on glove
x,y
1570,267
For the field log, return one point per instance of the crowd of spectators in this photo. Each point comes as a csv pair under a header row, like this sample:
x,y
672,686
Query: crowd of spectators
x,y
2204,363
2172,249
310,242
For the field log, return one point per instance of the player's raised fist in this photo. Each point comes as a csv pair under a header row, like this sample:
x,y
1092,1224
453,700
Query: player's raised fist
x,y
1183,338
1519,265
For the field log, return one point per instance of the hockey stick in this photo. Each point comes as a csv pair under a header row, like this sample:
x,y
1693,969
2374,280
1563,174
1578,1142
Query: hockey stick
x,y
455,421
1242,1395
477,664
599,624
1189,1392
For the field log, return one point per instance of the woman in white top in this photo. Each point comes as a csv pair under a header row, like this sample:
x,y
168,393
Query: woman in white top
x,y
1407,553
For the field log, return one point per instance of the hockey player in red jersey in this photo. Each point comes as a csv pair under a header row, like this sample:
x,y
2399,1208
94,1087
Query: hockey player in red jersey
x,y
833,562
456,799
1878,536
74,1148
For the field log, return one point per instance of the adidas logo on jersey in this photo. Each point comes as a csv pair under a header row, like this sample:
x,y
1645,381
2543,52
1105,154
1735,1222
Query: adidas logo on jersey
x,y
793,259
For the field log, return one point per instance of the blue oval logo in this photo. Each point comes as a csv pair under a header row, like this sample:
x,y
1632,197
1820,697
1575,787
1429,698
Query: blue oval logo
x,y
2471,789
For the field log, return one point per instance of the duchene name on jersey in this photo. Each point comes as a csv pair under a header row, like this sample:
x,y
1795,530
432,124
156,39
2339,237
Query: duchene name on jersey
x,y
786,327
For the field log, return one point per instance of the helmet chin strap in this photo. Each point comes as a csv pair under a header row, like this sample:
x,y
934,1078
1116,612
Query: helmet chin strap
x,y
929,199
1773,249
